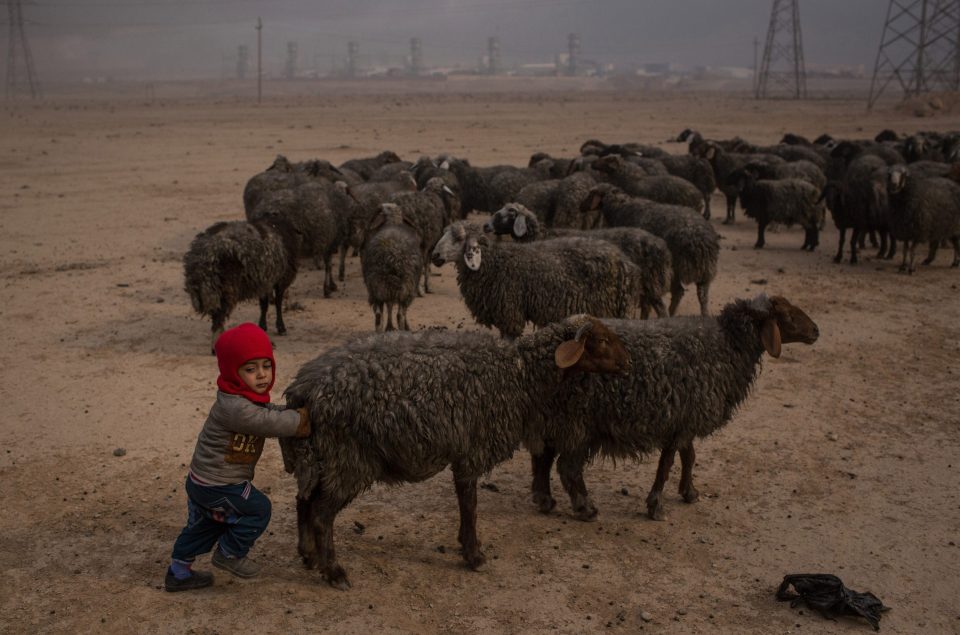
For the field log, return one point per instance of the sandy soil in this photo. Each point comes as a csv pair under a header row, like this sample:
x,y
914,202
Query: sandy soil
x,y
844,460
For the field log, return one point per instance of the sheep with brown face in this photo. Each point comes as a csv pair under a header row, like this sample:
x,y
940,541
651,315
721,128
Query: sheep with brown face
x,y
379,418
688,376
923,210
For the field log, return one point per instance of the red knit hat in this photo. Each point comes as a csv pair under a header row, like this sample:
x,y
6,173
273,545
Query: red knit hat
x,y
234,348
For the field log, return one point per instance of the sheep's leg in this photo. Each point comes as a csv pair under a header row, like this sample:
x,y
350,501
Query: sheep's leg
x,y
731,209
342,269
264,305
324,513
813,238
540,465
956,252
688,457
390,316
218,318
329,286
893,249
402,323
843,238
676,293
570,469
426,272
703,295
644,310
278,293
906,253
307,538
706,206
660,308
873,238
655,497
761,229
855,239
931,252
469,543
913,257
883,243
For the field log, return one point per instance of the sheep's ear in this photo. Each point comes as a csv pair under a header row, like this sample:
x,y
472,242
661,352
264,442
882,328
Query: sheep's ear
x,y
377,221
568,353
770,336
482,241
520,226
711,152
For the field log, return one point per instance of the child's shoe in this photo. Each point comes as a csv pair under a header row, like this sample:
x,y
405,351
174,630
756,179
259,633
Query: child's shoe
x,y
196,580
240,567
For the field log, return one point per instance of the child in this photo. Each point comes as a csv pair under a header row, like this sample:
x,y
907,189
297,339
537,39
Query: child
x,y
223,506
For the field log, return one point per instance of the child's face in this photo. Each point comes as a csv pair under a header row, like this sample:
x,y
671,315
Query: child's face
x,y
257,374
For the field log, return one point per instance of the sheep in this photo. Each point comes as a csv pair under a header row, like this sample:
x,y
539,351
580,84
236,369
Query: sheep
x,y
803,170
859,202
507,285
785,201
429,211
697,171
401,407
370,195
392,261
671,190
540,197
365,168
558,168
230,262
285,175
725,163
570,194
308,210
645,250
693,243
687,378
923,210
505,182
389,171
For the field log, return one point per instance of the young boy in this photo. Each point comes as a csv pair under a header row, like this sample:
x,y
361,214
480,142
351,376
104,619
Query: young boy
x,y
223,506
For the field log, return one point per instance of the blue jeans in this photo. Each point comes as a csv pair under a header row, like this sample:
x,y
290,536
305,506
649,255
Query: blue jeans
x,y
233,515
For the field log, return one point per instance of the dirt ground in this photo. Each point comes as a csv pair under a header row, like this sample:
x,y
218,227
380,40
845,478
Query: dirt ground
x,y
844,460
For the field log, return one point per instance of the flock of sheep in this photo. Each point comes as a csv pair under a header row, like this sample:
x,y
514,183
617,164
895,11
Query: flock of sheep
x,y
594,240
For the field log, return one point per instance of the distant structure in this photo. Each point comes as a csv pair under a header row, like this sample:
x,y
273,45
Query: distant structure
x,y
416,56
493,55
290,67
243,61
353,52
573,53
19,48
919,48
782,66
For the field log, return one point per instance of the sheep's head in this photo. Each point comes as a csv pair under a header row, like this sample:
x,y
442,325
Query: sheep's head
x,y
509,219
460,240
388,157
451,201
782,323
594,199
593,349
897,176
609,164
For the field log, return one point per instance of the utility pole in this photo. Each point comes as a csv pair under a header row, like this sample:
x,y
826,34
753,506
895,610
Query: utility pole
x,y
784,44
353,51
259,60
919,48
17,42
290,70
756,47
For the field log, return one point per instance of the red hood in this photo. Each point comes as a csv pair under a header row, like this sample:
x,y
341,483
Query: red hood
x,y
234,348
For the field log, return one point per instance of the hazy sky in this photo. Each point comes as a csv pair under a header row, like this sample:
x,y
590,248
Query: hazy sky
x,y
199,38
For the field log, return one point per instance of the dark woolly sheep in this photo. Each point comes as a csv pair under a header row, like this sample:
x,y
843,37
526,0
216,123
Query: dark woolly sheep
x,y
370,195
283,174
390,171
697,171
803,170
429,211
505,183
365,168
570,194
400,408
694,244
688,377
859,202
648,252
507,285
671,190
230,262
923,210
558,168
785,201
724,164
392,261
850,150
307,209
474,190
541,199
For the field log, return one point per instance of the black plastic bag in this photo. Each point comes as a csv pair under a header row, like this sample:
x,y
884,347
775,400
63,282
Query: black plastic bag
x,y
826,594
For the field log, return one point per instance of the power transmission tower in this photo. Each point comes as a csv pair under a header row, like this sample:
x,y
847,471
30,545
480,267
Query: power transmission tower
x,y
18,47
573,53
416,56
782,63
493,55
290,68
353,52
259,60
919,48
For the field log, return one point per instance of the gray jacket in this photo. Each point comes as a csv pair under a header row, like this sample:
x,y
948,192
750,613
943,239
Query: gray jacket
x,y
231,440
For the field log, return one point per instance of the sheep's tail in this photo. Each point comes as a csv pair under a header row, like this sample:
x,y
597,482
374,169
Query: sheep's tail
x,y
204,266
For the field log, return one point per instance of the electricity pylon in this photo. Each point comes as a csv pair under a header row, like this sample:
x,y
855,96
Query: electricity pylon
x,y
782,64
919,48
19,48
